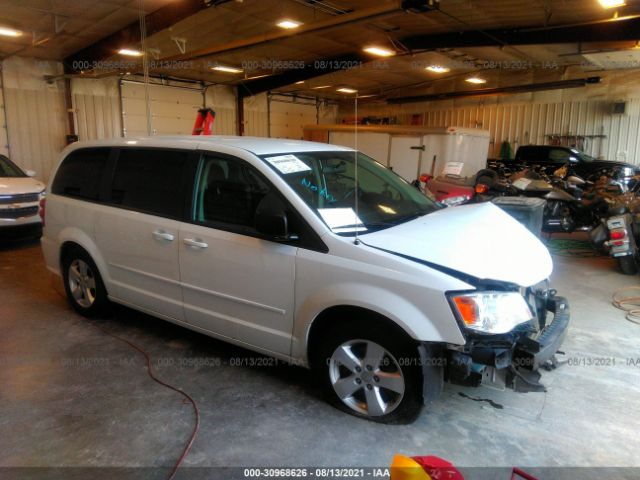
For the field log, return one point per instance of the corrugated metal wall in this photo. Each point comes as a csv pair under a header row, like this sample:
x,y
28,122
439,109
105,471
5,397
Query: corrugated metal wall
x,y
525,124
35,113
327,113
97,107
518,121
4,141
222,100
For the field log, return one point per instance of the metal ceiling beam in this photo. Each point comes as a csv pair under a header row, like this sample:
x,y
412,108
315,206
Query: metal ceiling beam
x,y
534,87
619,29
310,70
129,36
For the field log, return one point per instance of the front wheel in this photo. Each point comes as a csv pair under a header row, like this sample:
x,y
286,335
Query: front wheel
x,y
628,264
82,282
371,373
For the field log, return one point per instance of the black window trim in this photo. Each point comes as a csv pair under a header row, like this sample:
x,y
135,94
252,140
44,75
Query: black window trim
x,y
187,184
101,199
313,242
190,179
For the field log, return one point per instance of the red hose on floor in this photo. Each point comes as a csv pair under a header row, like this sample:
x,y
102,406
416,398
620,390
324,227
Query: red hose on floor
x,y
164,384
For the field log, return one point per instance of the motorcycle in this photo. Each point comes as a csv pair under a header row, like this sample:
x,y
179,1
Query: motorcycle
x,y
568,208
618,234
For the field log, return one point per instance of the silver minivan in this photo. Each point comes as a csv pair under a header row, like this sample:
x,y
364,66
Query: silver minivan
x,y
311,253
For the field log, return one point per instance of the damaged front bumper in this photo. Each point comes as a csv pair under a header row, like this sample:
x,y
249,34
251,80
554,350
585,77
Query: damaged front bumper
x,y
510,360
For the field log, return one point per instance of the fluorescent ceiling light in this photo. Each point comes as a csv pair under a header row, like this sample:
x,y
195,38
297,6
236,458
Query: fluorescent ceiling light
x,y
322,86
288,24
130,52
438,69
476,80
257,76
10,32
347,90
379,51
299,83
222,68
611,3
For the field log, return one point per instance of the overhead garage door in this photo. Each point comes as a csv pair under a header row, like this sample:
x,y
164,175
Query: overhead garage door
x,y
286,118
4,142
173,109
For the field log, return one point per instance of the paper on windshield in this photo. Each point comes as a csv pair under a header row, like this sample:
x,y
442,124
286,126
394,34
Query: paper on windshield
x,y
342,220
288,164
452,168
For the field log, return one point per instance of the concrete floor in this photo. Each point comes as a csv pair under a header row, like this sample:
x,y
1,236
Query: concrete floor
x,y
72,396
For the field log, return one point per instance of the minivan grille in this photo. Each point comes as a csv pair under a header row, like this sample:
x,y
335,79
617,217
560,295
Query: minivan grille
x,y
18,212
19,198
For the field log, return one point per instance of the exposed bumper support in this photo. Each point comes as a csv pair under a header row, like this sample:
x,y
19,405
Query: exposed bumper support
x,y
511,360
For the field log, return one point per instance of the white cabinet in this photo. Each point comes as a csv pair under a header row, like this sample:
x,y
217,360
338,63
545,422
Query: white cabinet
x,y
413,150
405,156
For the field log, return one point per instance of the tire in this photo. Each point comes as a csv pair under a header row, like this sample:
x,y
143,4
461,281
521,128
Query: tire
x,y
387,388
627,264
83,284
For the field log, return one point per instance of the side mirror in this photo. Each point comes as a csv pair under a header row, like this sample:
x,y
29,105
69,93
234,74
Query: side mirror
x,y
30,173
274,223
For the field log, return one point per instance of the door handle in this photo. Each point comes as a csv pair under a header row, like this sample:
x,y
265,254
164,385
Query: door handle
x,y
162,235
192,242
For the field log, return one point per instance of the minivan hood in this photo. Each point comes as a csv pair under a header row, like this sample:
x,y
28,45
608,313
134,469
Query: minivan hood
x,y
16,185
480,240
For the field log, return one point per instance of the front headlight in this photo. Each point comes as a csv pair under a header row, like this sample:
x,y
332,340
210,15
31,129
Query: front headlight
x,y
454,201
492,312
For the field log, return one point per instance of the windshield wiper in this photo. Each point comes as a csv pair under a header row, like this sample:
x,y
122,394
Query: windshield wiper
x,y
374,225
408,218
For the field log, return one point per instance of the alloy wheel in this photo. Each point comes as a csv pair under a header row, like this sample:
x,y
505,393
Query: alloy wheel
x,y
82,283
366,377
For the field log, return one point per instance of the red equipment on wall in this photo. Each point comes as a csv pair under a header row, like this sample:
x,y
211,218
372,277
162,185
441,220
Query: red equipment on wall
x,y
204,122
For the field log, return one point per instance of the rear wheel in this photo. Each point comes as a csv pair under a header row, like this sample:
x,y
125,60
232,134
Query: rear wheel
x,y
83,284
628,264
371,372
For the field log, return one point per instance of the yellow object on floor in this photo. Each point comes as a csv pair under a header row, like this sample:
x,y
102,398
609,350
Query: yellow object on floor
x,y
406,468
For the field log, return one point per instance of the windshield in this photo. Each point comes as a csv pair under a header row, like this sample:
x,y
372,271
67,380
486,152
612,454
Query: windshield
x,y
326,182
582,156
9,169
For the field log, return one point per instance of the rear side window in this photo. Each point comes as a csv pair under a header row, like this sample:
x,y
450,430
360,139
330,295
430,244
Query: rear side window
x,y
557,155
151,181
530,154
80,174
